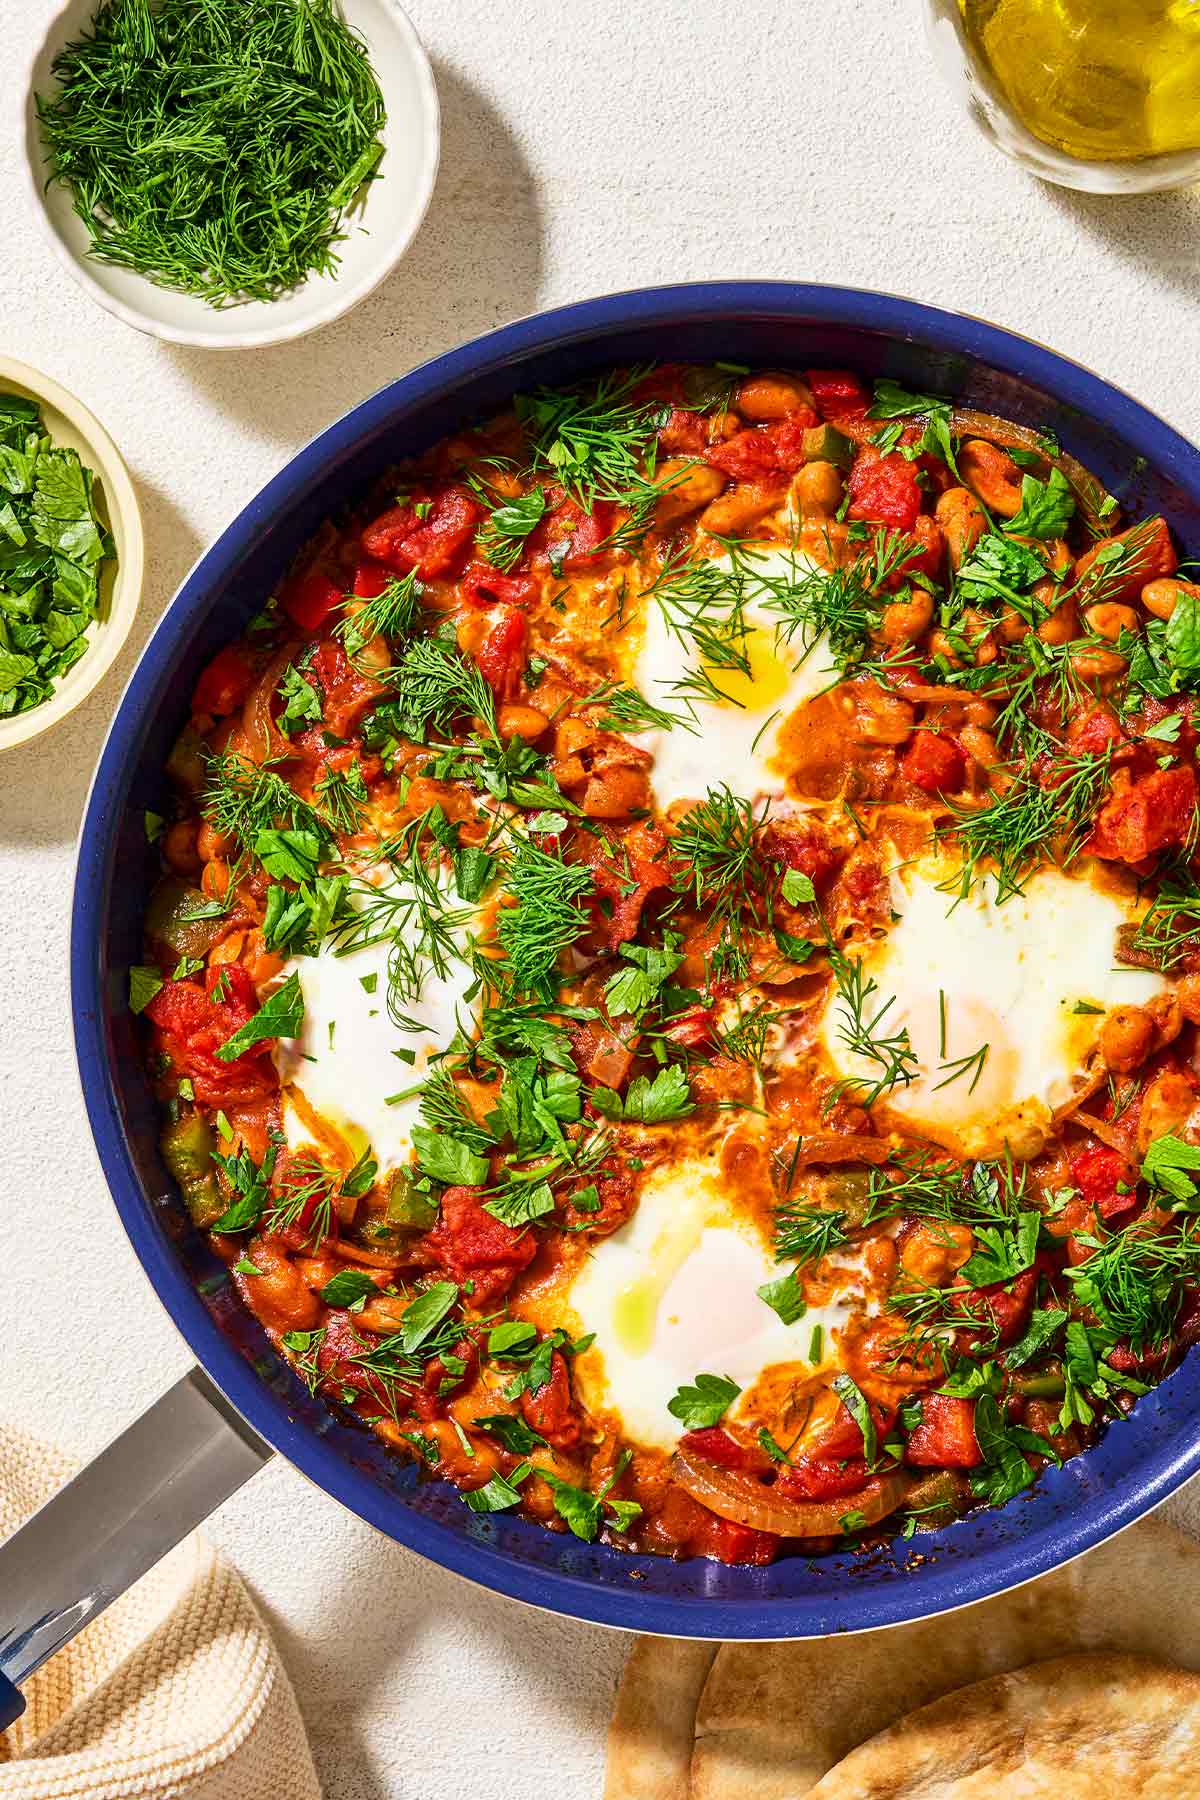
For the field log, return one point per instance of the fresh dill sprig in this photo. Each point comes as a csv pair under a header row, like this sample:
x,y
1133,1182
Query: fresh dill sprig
x,y
1031,820
1169,930
626,709
718,866
843,605
434,686
597,440
806,1234
391,614
242,798
547,913
889,1053
443,1108
214,147
703,604
1134,1280
413,913
342,795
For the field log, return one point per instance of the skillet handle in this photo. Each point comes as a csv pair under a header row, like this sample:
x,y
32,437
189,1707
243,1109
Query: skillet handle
x,y
116,1519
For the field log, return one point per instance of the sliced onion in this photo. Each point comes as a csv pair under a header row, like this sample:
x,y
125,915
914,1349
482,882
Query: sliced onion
x,y
1108,1134
264,740
1095,502
852,1148
734,1494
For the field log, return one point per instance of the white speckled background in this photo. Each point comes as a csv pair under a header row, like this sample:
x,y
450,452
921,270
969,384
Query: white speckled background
x,y
588,145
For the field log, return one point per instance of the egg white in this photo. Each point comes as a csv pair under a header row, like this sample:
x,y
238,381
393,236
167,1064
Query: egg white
x,y
352,1059
672,1294
1010,976
735,739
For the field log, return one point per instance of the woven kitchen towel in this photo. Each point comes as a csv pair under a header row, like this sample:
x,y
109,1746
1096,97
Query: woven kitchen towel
x,y
175,1693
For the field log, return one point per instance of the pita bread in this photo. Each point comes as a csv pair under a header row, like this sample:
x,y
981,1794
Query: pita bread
x,y
774,1718
1076,1728
650,1738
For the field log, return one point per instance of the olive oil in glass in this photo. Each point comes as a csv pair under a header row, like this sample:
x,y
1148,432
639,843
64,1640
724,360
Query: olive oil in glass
x,y
1099,94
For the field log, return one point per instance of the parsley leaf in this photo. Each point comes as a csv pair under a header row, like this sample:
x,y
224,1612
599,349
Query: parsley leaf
x,y
634,989
424,1314
347,1287
1001,1255
144,983
857,1405
785,1297
705,1403
1169,1164
500,1492
280,1015
1046,507
653,1102
448,1159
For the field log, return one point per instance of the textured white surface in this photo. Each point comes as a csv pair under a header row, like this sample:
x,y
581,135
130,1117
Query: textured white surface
x,y
588,145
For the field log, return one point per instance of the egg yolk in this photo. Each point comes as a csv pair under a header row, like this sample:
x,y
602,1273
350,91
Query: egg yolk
x,y
765,680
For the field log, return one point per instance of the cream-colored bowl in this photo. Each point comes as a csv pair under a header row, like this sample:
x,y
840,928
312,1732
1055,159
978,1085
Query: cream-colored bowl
x,y
68,422
378,231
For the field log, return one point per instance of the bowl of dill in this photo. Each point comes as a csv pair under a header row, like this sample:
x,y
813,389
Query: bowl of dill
x,y
230,174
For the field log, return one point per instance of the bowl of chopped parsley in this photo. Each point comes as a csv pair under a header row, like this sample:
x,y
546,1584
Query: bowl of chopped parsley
x,y
230,173
71,552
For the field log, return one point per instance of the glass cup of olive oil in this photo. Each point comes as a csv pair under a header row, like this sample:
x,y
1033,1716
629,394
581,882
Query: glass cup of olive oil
x,y
1102,95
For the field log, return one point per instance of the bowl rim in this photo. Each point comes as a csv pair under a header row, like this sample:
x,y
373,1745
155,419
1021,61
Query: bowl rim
x,y
121,497
978,1572
342,298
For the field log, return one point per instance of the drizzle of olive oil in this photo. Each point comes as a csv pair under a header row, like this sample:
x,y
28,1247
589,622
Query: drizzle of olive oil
x,y
635,1307
1103,80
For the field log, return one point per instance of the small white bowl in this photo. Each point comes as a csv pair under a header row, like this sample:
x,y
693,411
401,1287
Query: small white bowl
x,y
378,232
68,422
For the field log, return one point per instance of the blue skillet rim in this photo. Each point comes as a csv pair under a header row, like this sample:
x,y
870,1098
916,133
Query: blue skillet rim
x,y
1138,1464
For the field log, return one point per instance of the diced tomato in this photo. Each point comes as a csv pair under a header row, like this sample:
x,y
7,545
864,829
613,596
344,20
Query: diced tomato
x,y
945,1438
1099,1173
309,599
716,1446
1157,811
799,844
370,579
843,1436
934,762
693,1028
1001,1308
733,1543
823,1477
196,1021
837,392
432,545
683,432
484,586
551,1409
1092,732
884,489
926,543
473,1246
760,453
569,539
348,693
224,684
340,1346
1152,557
501,656
624,875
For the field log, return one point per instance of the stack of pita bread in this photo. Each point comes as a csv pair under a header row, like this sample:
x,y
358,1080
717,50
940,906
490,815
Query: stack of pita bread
x,y
1086,1683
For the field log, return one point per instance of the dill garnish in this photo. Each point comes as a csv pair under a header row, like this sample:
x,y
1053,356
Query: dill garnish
x,y
214,146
